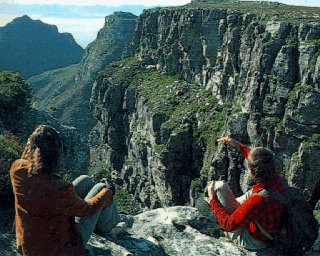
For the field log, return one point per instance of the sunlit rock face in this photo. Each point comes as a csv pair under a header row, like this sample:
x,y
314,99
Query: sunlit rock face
x,y
264,74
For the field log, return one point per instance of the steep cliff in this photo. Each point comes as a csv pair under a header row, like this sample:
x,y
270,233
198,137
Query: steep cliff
x,y
145,126
210,69
65,93
32,47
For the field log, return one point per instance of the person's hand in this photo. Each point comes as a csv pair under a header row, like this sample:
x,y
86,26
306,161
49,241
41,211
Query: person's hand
x,y
109,185
211,194
231,142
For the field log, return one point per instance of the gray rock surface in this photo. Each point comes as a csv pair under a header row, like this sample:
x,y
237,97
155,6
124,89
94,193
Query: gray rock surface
x,y
167,231
267,71
129,133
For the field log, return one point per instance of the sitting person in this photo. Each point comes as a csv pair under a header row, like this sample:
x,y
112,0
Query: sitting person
x,y
46,205
249,219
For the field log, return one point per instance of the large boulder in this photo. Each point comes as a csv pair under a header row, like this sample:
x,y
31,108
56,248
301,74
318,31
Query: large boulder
x,y
175,231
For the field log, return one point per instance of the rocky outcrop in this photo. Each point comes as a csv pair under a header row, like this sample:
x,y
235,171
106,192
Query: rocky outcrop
x,y
170,231
110,45
148,159
32,47
65,93
274,80
180,41
263,73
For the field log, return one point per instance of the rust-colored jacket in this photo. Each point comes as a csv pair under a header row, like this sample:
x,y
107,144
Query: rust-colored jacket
x,y
45,209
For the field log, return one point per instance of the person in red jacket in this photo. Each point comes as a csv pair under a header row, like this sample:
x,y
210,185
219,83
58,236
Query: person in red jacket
x,y
248,218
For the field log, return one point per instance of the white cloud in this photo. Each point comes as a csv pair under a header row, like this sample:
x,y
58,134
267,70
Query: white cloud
x,y
104,2
6,18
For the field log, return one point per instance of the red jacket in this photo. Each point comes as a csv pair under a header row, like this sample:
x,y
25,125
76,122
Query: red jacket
x,y
267,211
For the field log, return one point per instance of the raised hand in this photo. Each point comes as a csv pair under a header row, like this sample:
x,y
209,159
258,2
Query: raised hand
x,y
231,142
211,194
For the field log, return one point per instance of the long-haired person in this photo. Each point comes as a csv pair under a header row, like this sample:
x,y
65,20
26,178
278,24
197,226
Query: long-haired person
x,y
46,206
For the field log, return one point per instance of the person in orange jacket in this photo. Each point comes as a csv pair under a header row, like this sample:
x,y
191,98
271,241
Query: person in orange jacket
x,y
46,205
249,220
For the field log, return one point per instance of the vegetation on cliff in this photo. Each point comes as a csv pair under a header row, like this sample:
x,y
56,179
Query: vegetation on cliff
x,y
264,9
10,150
54,90
185,109
15,96
15,99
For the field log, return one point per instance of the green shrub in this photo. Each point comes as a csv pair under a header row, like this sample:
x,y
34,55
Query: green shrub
x,y
15,95
291,13
10,150
125,202
196,184
159,148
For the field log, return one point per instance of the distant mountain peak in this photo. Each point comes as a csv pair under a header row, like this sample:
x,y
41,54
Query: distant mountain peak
x,y
32,47
24,17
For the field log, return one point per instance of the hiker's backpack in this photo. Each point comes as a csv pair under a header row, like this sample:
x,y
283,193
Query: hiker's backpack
x,y
299,227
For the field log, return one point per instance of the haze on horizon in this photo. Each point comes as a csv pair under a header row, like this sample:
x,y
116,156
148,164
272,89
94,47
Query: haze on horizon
x,y
82,26
142,2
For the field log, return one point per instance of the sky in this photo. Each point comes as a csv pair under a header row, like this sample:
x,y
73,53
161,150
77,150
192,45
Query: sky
x,y
139,2
84,29
102,2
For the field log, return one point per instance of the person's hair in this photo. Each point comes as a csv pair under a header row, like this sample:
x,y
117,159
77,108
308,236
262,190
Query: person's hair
x,y
262,164
43,150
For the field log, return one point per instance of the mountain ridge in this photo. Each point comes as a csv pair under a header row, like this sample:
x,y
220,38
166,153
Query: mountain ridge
x,y
70,88
32,47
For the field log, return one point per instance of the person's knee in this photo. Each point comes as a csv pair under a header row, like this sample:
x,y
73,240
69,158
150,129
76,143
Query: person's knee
x,y
99,186
220,185
95,190
84,179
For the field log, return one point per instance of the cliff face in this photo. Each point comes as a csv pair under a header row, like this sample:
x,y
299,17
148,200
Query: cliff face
x,y
76,150
152,162
32,47
65,92
272,73
179,41
110,45
264,75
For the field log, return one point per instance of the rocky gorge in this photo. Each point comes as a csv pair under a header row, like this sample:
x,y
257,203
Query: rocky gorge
x,y
198,73
163,87
65,93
